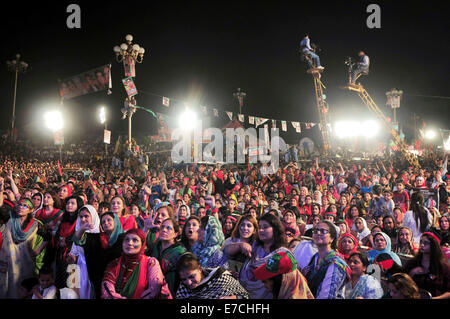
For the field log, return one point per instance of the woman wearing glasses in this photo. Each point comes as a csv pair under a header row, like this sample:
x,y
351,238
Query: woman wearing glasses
x,y
327,272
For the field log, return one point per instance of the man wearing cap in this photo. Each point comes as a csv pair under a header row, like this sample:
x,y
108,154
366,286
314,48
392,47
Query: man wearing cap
x,y
281,277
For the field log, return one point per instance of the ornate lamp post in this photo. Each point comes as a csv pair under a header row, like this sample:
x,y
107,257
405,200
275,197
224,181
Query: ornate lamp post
x,y
129,54
16,66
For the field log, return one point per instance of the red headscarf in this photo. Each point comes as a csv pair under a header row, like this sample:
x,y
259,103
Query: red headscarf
x,y
340,248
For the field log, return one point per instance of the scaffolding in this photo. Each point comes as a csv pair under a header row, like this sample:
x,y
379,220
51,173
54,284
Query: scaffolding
x,y
370,103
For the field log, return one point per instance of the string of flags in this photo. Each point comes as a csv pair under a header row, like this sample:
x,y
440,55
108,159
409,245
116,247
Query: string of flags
x,y
252,120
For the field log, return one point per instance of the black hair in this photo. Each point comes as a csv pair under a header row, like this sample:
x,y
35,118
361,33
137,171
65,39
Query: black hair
x,y
419,211
277,280
279,239
188,261
362,257
46,270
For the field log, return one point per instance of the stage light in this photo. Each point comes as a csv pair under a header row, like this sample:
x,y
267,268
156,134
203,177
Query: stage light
x,y
54,120
430,134
102,115
369,128
187,120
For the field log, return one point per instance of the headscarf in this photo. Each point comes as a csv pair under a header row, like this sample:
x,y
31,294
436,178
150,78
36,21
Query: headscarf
x,y
212,241
36,209
95,219
340,248
365,232
109,240
122,269
86,288
294,286
373,253
20,235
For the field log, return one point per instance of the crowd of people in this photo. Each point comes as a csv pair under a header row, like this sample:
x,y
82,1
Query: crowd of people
x,y
318,229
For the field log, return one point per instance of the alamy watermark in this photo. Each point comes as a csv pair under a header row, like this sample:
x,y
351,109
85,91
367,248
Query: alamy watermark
x,y
189,146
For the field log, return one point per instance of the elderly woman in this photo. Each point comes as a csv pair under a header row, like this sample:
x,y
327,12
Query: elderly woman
x,y
382,245
197,282
134,275
17,257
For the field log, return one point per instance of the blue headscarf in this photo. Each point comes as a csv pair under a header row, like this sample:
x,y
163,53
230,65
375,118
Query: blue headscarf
x,y
372,254
117,228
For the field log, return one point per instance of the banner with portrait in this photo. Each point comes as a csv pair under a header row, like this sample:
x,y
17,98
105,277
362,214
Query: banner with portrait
x,y
96,80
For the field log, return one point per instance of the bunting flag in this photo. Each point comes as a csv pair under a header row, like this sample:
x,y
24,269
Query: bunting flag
x,y
107,137
96,80
241,118
251,120
230,115
166,101
284,126
129,86
216,112
297,127
310,125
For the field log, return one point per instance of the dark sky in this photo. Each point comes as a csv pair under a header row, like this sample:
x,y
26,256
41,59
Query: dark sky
x,y
202,51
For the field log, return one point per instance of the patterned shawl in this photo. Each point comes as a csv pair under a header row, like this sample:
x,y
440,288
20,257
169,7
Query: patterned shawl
x,y
212,241
218,283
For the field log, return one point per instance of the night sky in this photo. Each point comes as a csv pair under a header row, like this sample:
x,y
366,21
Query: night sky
x,y
201,52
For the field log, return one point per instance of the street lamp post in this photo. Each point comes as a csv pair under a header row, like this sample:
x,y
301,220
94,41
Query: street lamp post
x,y
17,67
240,96
129,54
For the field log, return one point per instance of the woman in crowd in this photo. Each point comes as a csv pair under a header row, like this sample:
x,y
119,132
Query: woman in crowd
x,y
382,245
63,239
347,245
197,282
269,242
401,286
361,285
353,212
238,247
443,231
405,243
38,201
229,225
167,251
162,211
290,220
100,248
429,268
190,230
50,214
360,229
282,278
87,222
368,240
418,219
134,275
210,240
119,208
138,212
17,257
327,271
390,228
